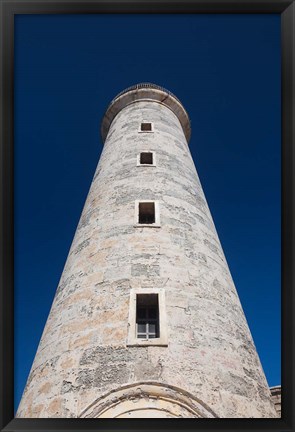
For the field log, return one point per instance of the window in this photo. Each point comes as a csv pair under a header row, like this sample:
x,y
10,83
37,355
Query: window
x,y
147,214
146,158
147,316
147,323
146,127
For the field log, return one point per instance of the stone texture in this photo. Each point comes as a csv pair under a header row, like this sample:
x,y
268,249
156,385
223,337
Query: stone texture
x,y
83,353
276,396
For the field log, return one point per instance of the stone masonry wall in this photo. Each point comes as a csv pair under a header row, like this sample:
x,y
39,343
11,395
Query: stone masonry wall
x,y
83,352
276,396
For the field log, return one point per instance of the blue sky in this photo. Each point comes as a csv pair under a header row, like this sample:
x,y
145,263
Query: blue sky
x,y
226,71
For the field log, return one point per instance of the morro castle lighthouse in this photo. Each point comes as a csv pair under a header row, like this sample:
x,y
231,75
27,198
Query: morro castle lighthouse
x,y
146,320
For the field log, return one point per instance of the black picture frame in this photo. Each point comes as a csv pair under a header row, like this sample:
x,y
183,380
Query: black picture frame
x,y
9,9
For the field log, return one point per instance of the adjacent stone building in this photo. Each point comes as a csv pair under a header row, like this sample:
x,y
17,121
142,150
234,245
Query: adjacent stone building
x,y
276,396
146,320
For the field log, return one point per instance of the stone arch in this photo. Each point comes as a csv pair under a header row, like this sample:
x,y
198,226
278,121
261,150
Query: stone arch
x,y
146,400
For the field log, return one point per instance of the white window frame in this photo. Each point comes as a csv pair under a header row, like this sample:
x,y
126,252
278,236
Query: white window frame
x,y
146,121
156,224
132,340
146,165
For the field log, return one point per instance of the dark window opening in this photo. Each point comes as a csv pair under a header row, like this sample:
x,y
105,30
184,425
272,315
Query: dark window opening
x,y
146,127
147,316
146,213
146,158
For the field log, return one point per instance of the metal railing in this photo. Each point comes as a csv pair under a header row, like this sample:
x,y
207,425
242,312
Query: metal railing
x,y
147,86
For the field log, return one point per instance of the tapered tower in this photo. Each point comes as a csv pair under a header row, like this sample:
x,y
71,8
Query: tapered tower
x,y
146,320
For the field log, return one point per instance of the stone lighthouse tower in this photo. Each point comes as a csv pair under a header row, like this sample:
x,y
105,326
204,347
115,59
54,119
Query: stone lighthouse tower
x,y
146,320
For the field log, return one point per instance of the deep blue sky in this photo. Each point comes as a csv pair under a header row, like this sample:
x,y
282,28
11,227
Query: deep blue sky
x,y
226,71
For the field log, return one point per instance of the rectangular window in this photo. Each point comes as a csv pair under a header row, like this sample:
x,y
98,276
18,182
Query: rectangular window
x,y
146,158
147,321
147,316
146,213
146,127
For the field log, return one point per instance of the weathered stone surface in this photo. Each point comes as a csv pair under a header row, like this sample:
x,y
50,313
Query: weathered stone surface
x,y
83,354
276,396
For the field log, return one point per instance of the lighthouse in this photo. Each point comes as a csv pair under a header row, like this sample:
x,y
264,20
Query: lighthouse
x,y
146,320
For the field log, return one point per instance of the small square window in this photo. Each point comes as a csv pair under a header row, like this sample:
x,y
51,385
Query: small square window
x,y
146,127
146,158
146,213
